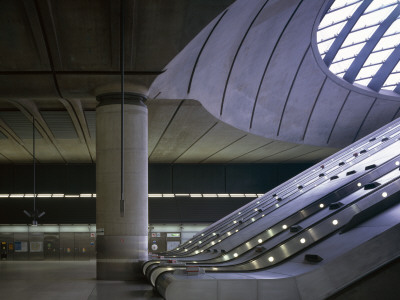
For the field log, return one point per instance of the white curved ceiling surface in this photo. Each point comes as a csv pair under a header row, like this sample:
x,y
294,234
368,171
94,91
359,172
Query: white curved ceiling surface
x,y
257,67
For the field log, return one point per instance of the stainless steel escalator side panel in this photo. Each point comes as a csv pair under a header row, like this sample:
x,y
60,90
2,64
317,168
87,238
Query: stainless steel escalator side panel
x,y
304,239
318,231
351,158
307,211
233,226
317,281
148,264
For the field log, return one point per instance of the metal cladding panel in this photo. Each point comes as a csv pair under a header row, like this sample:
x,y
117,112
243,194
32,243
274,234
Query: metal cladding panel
x,y
91,123
2,136
20,124
160,178
245,178
60,124
6,179
83,210
192,210
198,178
58,210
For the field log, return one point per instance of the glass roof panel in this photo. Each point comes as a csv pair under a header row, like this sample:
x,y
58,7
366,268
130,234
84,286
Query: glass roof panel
x,y
379,4
377,57
393,79
331,27
329,32
359,36
348,52
394,28
340,67
388,42
389,88
363,81
397,67
341,3
374,17
324,46
339,15
368,71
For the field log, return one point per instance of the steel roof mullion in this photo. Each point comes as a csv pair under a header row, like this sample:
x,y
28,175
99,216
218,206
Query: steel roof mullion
x,y
335,47
397,89
359,61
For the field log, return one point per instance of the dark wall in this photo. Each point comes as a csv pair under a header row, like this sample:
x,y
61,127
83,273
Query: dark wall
x,y
163,178
65,179
83,210
217,178
58,210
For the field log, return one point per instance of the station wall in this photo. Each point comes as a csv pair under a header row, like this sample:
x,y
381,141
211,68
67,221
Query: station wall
x,y
163,179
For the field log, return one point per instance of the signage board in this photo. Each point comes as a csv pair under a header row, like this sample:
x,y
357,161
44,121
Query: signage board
x,y
174,235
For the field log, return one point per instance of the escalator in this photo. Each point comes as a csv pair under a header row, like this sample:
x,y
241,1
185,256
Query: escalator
x,y
337,195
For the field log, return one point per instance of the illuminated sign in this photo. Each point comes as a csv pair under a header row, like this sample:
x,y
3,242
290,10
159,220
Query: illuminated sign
x,y
174,235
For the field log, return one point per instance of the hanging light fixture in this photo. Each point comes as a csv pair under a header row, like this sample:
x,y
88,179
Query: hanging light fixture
x,y
122,68
35,214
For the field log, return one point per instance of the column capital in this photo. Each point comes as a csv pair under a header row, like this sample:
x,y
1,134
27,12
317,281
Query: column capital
x,y
115,98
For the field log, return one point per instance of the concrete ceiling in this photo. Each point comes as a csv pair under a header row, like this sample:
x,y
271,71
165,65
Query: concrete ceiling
x,y
55,54
263,72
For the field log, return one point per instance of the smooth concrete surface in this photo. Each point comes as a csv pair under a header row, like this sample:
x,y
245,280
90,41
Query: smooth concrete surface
x,y
44,280
82,41
259,70
121,236
382,284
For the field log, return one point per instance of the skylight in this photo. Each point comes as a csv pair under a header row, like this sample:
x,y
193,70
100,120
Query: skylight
x,y
359,42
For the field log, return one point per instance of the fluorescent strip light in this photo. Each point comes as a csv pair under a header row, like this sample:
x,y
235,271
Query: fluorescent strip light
x,y
85,195
44,195
223,195
260,195
71,196
4,195
155,195
250,195
29,195
168,195
16,195
210,195
237,195
196,195
58,195
182,195
94,195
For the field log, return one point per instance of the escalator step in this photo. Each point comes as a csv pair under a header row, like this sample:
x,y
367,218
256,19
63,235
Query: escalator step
x,y
295,228
370,167
335,205
313,258
371,186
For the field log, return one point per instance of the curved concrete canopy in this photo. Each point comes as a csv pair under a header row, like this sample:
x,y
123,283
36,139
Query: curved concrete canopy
x,y
55,55
257,67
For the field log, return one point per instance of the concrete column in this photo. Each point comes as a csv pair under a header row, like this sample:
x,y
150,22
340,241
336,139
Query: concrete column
x,y
121,241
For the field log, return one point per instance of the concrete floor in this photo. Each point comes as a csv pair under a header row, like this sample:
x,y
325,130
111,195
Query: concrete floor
x,y
45,280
